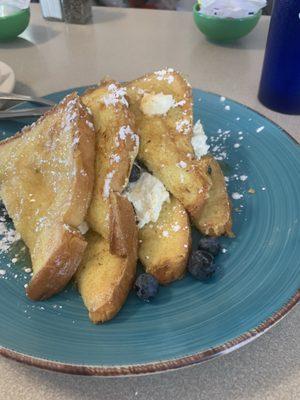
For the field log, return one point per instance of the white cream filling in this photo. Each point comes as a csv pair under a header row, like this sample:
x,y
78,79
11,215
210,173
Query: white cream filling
x,y
147,195
156,104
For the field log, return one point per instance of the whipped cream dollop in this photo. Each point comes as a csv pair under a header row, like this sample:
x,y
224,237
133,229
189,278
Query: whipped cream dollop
x,y
147,196
199,140
156,104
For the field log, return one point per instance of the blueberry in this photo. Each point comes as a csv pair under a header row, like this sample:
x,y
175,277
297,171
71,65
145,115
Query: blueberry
x,y
135,173
201,265
209,244
146,287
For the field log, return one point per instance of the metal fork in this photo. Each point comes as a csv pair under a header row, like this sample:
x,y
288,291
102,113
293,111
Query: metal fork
x,y
29,112
22,97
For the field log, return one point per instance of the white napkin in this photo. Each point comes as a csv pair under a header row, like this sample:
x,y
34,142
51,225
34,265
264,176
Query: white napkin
x,y
231,8
3,77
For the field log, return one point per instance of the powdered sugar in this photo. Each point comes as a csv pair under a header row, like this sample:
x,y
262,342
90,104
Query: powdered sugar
x,y
107,182
124,131
40,224
114,159
237,196
165,74
176,227
70,113
182,164
116,95
184,126
89,124
180,103
221,156
75,140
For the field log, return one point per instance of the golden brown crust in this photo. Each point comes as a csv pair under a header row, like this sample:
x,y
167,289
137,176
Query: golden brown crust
x,y
165,146
104,279
84,156
165,245
108,268
116,149
124,229
215,218
64,254
46,176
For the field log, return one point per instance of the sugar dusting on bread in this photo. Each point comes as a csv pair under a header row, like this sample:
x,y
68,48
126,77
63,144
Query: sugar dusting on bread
x,y
165,75
115,95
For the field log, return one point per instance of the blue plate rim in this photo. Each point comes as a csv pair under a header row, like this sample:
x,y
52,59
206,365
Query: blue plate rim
x,y
167,365
162,366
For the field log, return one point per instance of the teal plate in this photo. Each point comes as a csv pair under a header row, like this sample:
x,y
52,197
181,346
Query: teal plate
x,y
189,321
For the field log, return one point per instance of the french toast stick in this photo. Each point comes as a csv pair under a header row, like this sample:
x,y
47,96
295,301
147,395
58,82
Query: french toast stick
x,y
162,105
116,149
164,245
105,279
215,217
46,182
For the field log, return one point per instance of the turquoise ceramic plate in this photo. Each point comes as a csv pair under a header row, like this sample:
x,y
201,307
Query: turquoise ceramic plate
x,y
189,321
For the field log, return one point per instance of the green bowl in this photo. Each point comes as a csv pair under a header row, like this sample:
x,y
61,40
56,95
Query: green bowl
x,y
224,29
13,22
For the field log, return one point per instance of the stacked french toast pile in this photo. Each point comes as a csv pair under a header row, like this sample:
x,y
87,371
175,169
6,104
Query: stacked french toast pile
x,y
104,179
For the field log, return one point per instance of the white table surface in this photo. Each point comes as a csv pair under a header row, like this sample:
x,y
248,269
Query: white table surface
x,y
126,43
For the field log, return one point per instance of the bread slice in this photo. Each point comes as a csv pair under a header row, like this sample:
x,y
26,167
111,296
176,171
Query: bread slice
x,y
116,149
46,181
164,245
108,268
215,217
162,106
105,279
